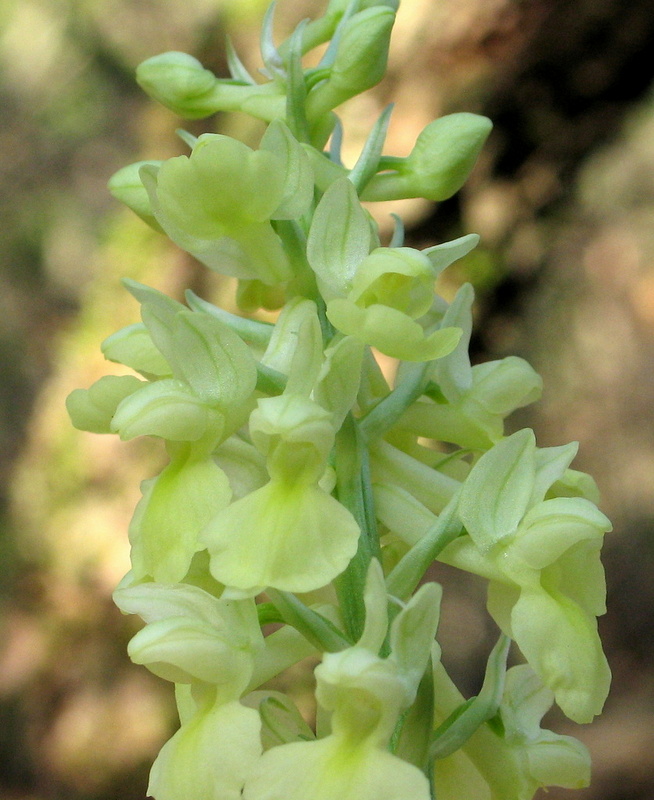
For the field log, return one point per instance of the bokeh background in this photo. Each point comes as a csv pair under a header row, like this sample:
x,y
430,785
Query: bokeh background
x,y
563,197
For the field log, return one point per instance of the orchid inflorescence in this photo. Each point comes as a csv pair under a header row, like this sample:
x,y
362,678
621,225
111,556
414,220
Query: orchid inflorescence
x,y
305,488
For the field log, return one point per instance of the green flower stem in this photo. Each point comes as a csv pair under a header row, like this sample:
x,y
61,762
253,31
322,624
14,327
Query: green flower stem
x,y
389,410
368,162
318,630
250,330
462,723
413,732
407,573
354,491
283,648
432,488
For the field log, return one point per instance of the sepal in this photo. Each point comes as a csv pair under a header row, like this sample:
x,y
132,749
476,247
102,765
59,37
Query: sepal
x,y
224,739
175,507
94,408
127,187
495,495
133,347
340,237
294,539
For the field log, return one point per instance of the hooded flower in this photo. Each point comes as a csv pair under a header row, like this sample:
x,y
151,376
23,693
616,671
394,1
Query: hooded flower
x,y
365,695
290,534
541,555
218,203
391,289
207,646
201,376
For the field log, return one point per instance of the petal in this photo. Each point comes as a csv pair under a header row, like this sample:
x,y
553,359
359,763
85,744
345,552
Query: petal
x,y
209,757
456,777
133,346
464,554
244,249
501,599
166,408
580,574
294,538
183,651
93,409
330,769
391,331
560,642
339,378
559,761
223,181
296,170
339,238
554,526
174,508
399,277
496,493
214,361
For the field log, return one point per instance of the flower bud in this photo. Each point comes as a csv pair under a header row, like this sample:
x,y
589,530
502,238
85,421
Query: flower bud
x,y
439,163
390,289
179,82
360,60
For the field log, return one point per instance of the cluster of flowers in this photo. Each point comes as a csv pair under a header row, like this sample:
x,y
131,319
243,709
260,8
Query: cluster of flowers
x,y
300,489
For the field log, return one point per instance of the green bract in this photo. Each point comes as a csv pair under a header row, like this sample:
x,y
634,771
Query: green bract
x,y
306,490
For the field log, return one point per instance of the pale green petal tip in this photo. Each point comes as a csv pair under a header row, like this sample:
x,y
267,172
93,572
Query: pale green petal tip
x,y
561,644
174,509
127,187
93,409
390,331
166,409
209,757
133,347
329,769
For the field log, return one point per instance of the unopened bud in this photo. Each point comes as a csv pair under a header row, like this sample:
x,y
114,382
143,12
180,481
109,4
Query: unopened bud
x,y
180,82
440,162
360,61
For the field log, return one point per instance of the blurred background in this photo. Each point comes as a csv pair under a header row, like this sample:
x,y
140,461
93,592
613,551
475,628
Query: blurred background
x,y
563,198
